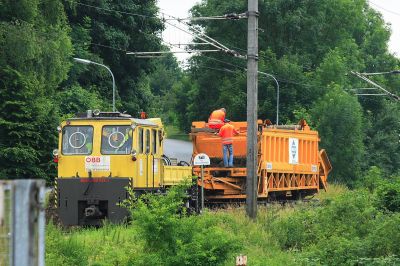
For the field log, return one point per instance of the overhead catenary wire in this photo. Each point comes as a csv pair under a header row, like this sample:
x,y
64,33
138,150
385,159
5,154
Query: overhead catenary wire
x,y
372,94
363,77
117,11
230,16
134,14
197,34
278,78
172,52
381,73
363,89
150,56
193,43
385,9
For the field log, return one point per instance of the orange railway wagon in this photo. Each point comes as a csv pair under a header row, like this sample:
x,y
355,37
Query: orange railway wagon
x,y
290,164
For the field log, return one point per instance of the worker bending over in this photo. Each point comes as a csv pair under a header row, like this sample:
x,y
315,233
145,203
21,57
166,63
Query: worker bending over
x,y
227,132
217,117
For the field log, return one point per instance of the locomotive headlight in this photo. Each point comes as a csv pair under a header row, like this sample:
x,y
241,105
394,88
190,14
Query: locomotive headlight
x,y
96,112
59,129
133,154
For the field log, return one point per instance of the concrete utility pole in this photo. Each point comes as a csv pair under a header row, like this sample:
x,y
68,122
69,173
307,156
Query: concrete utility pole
x,y
252,91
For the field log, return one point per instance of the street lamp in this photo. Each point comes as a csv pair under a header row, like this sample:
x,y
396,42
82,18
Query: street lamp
x,y
88,62
277,94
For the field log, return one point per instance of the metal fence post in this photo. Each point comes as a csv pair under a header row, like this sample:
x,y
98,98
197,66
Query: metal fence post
x,y
5,223
28,222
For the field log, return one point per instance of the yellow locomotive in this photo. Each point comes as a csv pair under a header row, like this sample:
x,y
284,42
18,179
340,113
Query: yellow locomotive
x,y
100,154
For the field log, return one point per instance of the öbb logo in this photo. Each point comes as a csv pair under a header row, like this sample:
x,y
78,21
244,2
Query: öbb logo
x,y
92,159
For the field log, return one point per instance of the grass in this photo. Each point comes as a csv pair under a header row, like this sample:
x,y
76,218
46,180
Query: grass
x,y
342,228
173,132
333,191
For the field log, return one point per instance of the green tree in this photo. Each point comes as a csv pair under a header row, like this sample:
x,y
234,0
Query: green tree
x,y
104,35
36,49
310,47
383,141
27,126
338,117
76,99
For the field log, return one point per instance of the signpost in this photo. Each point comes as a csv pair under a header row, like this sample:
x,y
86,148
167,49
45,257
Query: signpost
x,y
202,159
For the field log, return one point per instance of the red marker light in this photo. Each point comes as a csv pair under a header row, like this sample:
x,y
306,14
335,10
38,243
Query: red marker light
x,y
55,155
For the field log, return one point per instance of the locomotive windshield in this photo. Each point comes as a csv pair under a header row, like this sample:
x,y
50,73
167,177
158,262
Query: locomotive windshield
x,y
116,140
77,140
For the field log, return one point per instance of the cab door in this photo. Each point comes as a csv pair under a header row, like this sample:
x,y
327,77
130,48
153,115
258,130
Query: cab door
x,y
155,158
141,175
149,159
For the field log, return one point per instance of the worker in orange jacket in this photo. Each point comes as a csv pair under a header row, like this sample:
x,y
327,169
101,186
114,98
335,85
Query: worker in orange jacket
x,y
227,132
217,117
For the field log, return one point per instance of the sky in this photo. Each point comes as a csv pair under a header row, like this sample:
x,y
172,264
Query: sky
x,y
390,9
180,9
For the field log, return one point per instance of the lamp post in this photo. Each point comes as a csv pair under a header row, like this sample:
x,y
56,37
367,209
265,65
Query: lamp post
x,y
88,62
277,94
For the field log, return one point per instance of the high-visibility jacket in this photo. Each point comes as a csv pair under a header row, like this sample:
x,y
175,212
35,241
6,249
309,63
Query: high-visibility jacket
x,y
217,117
227,132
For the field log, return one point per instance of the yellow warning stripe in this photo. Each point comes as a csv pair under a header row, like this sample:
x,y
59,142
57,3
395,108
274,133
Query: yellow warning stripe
x,y
56,192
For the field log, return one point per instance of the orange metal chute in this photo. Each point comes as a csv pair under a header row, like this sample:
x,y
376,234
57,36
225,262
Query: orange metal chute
x,y
325,168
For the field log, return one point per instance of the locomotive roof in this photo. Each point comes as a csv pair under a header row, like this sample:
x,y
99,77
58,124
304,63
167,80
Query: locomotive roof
x,y
115,116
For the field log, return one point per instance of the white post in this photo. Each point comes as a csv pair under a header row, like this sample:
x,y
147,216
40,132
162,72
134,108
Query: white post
x,y
202,188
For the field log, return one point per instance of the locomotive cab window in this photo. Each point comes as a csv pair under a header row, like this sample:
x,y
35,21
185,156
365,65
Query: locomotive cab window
x,y
141,140
116,140
154,141
77,140
148,147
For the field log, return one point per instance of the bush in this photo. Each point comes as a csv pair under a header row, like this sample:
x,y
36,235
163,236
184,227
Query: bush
x,y
173,238
384,237
338,232
388,195
371,179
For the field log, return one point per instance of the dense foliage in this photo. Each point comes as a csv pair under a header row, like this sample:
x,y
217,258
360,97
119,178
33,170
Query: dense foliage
x,y
358,227
35,50
161,233
41,84
310,47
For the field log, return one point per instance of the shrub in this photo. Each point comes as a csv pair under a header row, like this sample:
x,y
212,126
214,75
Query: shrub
x,y
388,195
173,238
384,237
371,179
